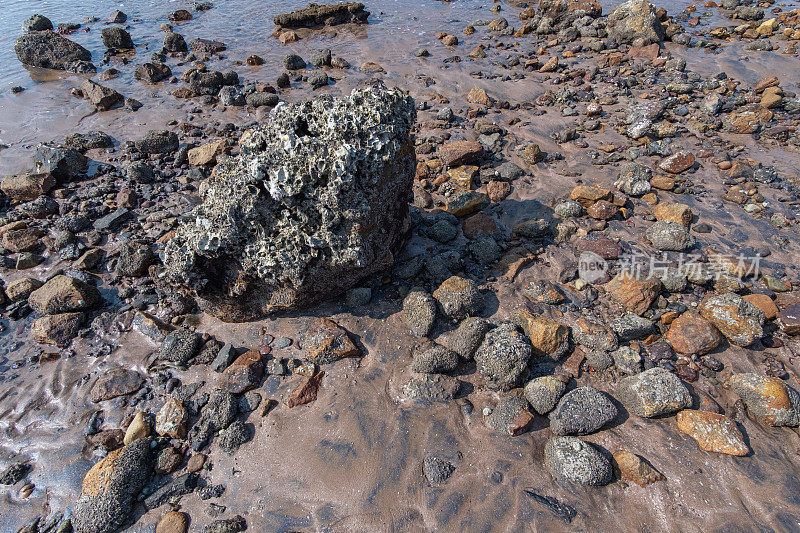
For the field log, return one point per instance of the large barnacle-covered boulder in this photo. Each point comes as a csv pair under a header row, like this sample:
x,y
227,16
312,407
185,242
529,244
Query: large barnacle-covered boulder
x,y
316,201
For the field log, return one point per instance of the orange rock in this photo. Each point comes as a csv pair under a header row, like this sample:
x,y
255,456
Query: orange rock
x,y
328,342
767,398
634,469
713,432
636,295
478,96
586,195
547,336
498,190
691,334
602,210
307,392
674,212
173,522
763,302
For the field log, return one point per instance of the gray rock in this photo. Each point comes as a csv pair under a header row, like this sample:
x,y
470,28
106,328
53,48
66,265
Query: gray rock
x,y
503,356
87,141
14,473
321,58
113,220
232,437
634,179
63,163
106,510
139,172
435,359
577,461
180,346
232,96
568,209
419,312
115,38
227,525
510,416
582,411
226,355
358,296
635,21
134,259
467,336
262,99
157,142
307,235
152,72
670,236
459,298
294,62
627,360
47,49
653,392
318,80
171,491
631,326
543,393
175,43
599,360
37,23
437,470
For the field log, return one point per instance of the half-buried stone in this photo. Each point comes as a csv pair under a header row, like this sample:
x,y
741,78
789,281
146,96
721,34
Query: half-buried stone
x,y
577,461
316,201
582,411
653,392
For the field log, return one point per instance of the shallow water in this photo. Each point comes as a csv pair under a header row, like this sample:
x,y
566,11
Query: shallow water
x,y
351,461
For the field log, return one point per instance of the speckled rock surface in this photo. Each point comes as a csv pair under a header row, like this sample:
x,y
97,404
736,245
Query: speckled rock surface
x,y
316,201
654,392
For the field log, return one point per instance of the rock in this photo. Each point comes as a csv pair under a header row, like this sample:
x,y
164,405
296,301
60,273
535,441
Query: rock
x,y
47,49
64,164
115,382
245,373
318,80
37,23
262,99
294,62
175,43
152,72
168,460
112,221
115,38
767,398
459,298
172,490
763,302
740,321
713,432
636,295
419,312
27,187
628,359
134,259
437,470
206,154
117,17
635,21
228,525
510,416
173,522
326,342
435,359
654,392
62,294
503,356
87,141
179,346
240,267
58,330
468,336
206,46
634,469
543,393
631,326
15,473
789,319
139,428
323,15
547,337
110,487
582,411
232,96
462,203
180,15
476,95
139,172
22,240
157,142
172,419
457,153
691,334
226,355
577,461
673,212
20,289
677,162
670,236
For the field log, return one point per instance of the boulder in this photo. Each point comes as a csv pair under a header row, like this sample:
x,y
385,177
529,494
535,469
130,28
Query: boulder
x,y
27,187
115,38
47,49
103,98
635,21
316,201
323,15
63,294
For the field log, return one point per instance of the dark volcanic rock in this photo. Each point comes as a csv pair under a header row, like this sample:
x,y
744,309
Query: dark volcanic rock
x,y
157,142
110,487
316,201
152,72
47,49
582,411
323,15
116,38
37,23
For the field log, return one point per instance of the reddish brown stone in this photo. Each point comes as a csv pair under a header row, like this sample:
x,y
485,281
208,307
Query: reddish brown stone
x,y
600,245
602,210
636,295
713,432
461,153
789,319
478,224
328,342
244,374
678,162
691,334
498,190
307,392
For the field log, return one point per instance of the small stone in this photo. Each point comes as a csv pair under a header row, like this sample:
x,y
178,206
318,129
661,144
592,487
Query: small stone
x,y
670,236
678,162
503,356
419,312
767,398
58,330
173,522
245,373
116,382
691,334
510,416
789,319
634,469
636,295
713,432
139,428
172,419
674,212
27,187
459,298
103,98
437,470
180,346
206,154
577,461
15,473
654,392
631,326
458,153
543,393
548,337
62,294
467,337
582,411
327,342
435,359
462,203
740,321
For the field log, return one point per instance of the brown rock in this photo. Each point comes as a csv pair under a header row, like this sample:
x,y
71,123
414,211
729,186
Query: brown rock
x,y
22,288
600,245
547,336
602,210
327,342
713,432
116,382
463,203
634,469
498,190
206,154
173,522
663,182
196,462
587,195
108,439
461,153
307,392
463,177
63,294
172,419
764,83
101,97
58,330
674,212
636,295
22,240
478,224
767,398
691,334
243,374
789,319
478,96
139,428
765,303
550,65
27,187
678,162
739,320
